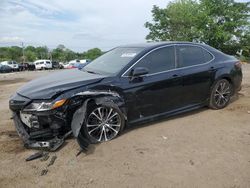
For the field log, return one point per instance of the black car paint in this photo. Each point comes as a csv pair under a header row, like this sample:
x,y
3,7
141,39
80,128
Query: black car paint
x,y
141,99
57,83
5,69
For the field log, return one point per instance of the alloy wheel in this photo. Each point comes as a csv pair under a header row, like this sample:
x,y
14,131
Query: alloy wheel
x,y
222,93
103,124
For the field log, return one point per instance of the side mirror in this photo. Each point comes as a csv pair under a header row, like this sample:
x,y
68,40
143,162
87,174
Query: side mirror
x,y
139,71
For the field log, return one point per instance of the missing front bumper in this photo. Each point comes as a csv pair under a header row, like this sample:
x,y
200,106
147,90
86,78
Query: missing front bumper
x,y
49,144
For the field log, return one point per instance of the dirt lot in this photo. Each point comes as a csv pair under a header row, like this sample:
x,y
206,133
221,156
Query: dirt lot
x,y
204,148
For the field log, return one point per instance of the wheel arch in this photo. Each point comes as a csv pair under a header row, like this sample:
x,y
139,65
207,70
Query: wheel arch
x,y
225,76
94,97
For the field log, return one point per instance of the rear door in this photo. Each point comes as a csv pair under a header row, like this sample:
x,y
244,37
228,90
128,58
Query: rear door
x,y
195,64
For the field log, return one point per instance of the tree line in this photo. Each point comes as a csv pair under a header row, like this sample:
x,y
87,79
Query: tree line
x,y
31,53
223,24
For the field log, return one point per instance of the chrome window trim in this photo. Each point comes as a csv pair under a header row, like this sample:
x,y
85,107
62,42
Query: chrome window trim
x,y
176,68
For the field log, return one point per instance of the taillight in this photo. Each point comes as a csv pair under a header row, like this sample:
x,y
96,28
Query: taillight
x,y
238,64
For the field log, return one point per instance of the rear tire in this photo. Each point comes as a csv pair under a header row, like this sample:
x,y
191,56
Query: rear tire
x,y
220,95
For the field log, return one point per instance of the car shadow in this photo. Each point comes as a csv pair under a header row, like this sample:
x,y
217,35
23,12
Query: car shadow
x,y
162,119
167,118
91,148
236,97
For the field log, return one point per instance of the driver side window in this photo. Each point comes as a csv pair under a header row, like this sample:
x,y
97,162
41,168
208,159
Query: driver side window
x,y
160,60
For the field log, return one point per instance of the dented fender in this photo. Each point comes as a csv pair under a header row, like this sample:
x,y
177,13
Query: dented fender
x,y
104,98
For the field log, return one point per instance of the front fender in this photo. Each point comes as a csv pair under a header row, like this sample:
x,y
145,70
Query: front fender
x,y
105,98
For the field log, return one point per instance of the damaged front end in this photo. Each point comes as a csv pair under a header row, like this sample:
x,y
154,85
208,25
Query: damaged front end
x,y
41,124
98,98
46,124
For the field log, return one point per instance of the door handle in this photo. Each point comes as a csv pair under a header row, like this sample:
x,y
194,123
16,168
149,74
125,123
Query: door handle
x,y
175,75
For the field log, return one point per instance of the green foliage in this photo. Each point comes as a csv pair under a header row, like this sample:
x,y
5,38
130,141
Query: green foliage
x,y
42,52
245,45
175,22
223,24
63,54
31,53
4,55
13,53
92,53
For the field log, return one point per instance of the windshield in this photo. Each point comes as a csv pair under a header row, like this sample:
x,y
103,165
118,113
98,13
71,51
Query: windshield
x,y
113,61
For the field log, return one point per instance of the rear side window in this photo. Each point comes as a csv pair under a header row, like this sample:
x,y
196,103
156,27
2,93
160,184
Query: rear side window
x,y
162,59
192,55
47,62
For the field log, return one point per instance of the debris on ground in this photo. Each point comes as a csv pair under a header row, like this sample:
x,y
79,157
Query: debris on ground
x,y
35,156
191,162
90,181
80,151
164,137
52,160
44,172
45,157
13,135
49,145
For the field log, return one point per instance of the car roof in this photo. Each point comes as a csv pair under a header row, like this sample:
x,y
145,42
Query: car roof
x,y
151,45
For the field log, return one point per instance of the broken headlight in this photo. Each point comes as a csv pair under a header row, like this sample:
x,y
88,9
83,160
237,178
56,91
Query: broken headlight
x,y
44,106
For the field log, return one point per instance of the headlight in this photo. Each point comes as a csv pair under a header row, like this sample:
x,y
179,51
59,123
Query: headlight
x,y
44,106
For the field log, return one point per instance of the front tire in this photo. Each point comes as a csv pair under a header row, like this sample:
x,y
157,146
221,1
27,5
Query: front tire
x,y
103,123
220,94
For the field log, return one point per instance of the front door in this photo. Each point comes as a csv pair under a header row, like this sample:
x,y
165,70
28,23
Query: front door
x,y
158,91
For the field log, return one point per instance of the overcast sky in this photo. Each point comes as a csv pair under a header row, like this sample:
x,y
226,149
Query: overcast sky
x,y
78,24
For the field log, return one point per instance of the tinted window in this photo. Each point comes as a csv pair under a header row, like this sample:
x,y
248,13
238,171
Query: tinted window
x,y
113,61
48,62
192,55
159,60
207,56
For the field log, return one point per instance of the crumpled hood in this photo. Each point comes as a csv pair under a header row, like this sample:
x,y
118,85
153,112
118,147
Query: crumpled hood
x,y
48,86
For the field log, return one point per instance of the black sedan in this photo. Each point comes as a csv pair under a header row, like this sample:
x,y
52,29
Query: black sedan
x,y
127,85
5,69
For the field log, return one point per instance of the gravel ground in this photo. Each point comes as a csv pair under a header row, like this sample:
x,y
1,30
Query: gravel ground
x,y
203,148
